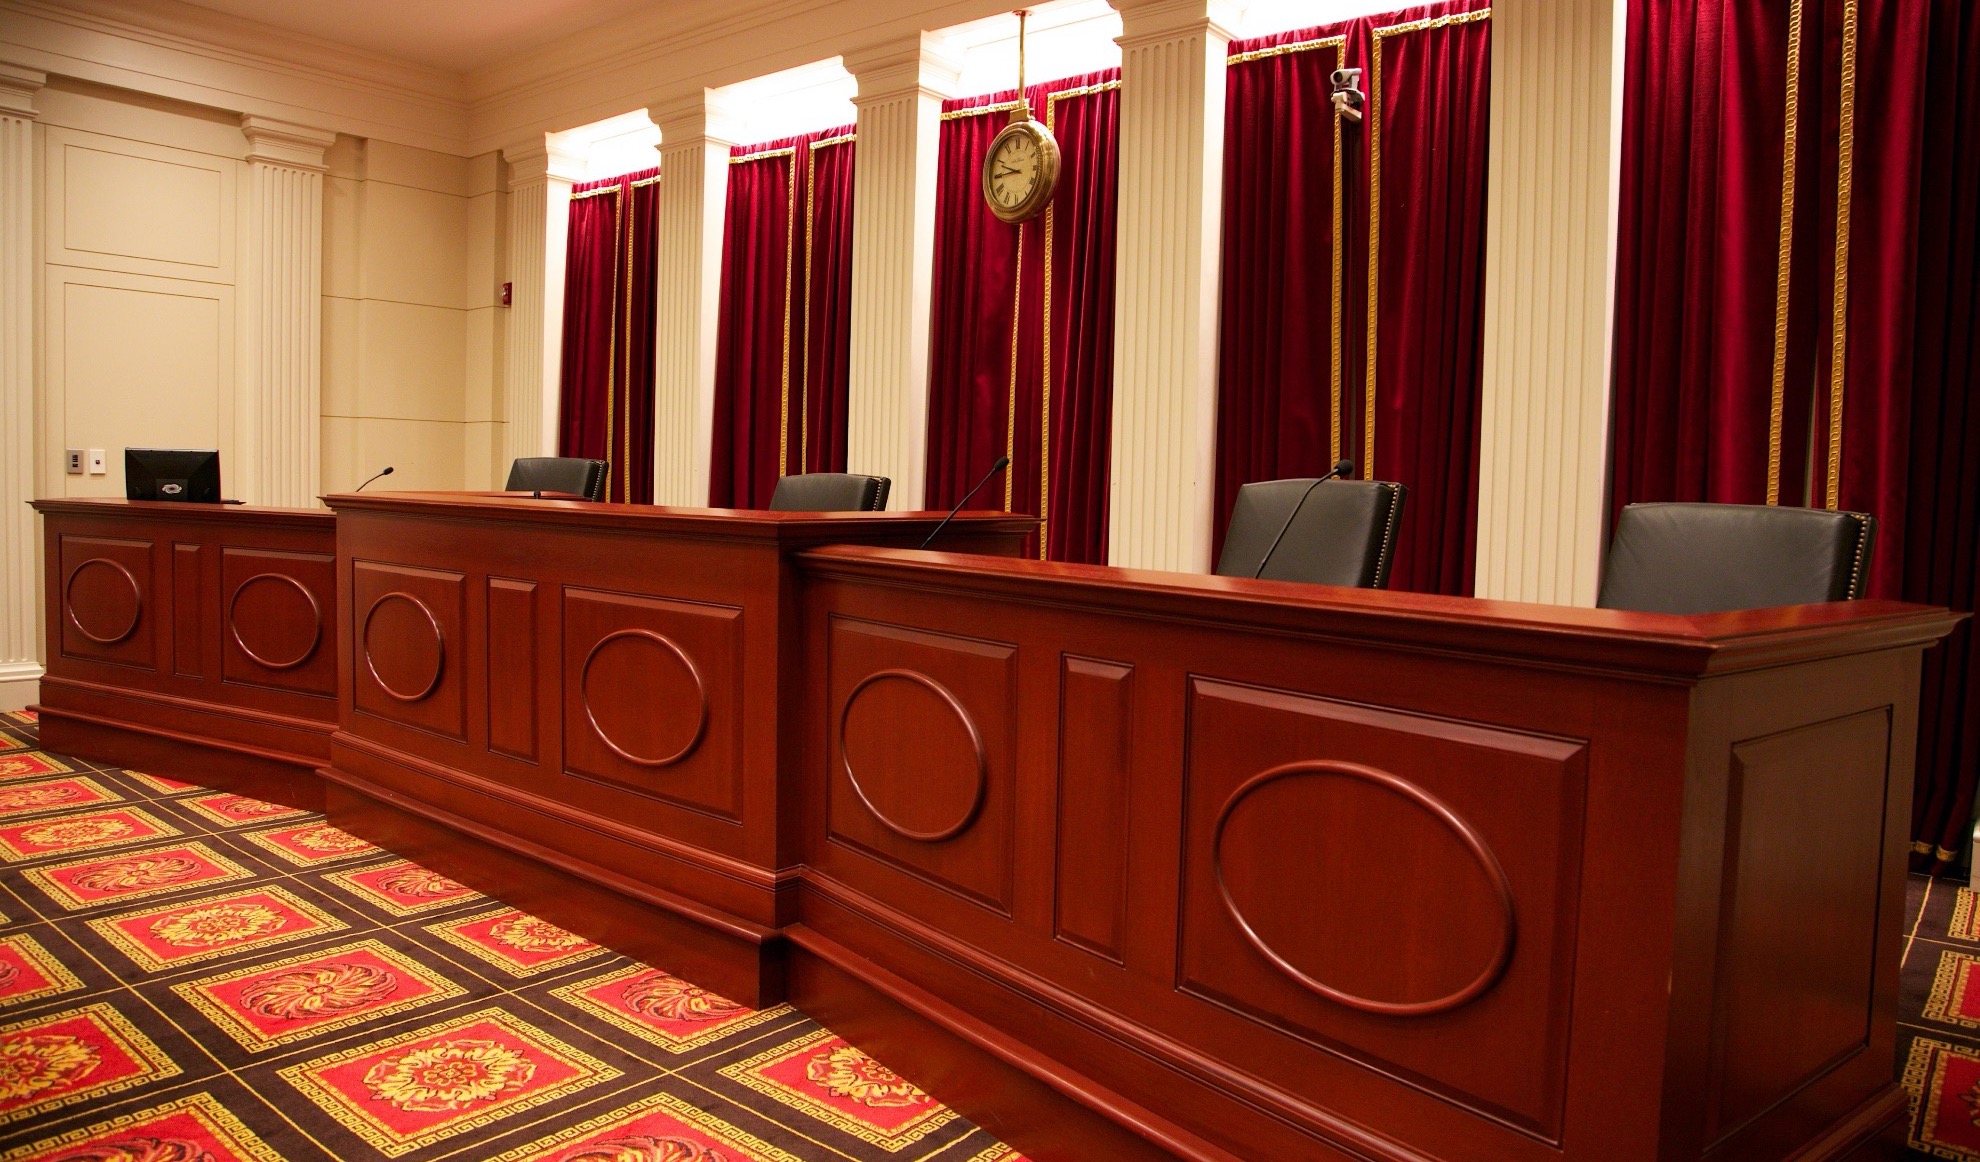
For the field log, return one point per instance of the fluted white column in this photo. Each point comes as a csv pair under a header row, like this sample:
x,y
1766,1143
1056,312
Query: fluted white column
x,y
696,133
540,177
1550,217
280,415
901,87
1165,296
20,589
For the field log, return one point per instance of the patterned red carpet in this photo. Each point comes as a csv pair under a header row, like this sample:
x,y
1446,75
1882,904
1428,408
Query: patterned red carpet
x,y
1939,1019
189,976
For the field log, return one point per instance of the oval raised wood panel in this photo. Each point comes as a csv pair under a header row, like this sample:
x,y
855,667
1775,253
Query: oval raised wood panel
x,y
104,601
403,646
275,620
913,755
643,697
1363,888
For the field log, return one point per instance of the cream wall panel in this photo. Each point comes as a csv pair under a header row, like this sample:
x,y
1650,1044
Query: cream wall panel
x,y
136,361
341,470
423,455
478,391
421,169
341,363
484,238
412,245
343,208
411,361
124,205
481,456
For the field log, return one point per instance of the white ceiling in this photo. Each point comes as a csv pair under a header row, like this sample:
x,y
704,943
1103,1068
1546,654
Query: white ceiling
x,y
458,36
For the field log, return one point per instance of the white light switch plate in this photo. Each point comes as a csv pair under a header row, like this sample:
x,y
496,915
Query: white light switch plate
x,y
97,467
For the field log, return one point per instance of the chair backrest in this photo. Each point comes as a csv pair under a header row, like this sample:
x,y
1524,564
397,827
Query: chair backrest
x,y
1340,532
830,492
586,478
1708,558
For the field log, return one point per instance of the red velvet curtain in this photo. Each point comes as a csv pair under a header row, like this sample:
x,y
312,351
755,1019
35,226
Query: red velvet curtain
x,y
1289,356
1799,269
606,384
1429,89
772,259
1910,398
1008,374
1708,335
1305,209
828,303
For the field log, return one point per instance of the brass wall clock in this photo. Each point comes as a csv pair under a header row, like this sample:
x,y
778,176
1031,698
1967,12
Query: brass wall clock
x,y
1021,171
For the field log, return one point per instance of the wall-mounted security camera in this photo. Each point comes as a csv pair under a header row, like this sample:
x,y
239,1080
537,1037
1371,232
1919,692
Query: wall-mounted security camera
x,y
1347,93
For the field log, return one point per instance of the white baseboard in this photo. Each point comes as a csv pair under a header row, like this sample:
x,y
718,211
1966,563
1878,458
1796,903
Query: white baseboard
x,y
20,685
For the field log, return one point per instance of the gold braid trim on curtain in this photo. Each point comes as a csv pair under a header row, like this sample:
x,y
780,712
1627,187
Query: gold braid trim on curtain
x,y
804,340
1839,326
1777,406
1381,37
1339,45
1045,348
1010,409
788,153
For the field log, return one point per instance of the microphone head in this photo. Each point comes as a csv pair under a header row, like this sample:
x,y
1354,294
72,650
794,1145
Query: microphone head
x,y
1343,467
387,472
1002,463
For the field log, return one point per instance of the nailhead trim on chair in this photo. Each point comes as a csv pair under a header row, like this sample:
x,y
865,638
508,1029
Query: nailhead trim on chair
x,y
1862,543
1388,543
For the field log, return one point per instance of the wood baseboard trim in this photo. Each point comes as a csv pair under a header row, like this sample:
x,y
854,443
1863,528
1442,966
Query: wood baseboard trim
x,y
748,969
260,773
1132,1130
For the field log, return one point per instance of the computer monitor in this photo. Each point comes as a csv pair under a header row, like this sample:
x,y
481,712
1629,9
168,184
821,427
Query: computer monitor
x,y
191,474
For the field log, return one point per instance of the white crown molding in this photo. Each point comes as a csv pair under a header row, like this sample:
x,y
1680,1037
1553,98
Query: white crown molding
x,y
178,51
704,118
286,143
657,56
925,63
17,89
543,157
1149,21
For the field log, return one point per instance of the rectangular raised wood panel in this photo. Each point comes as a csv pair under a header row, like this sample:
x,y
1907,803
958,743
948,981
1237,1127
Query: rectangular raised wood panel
x,y
409,646
922,736
1096,750
110,606
278,617
1799,911
1451,965
188,610
653,697
512,676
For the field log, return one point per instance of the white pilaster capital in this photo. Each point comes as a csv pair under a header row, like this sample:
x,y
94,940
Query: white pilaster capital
x,y
926,64
1153,21
701,118
18,86
542,158
286,143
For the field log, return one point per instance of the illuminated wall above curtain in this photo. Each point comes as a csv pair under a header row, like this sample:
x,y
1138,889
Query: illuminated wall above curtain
x,y
606,391
781,369
1324,216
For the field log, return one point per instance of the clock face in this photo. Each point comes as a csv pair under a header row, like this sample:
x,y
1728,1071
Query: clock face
x,y
1014,170
1020,171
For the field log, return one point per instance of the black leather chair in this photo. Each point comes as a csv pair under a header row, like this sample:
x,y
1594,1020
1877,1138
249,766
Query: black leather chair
x,y
1340,532
830,492
586,478
1708,558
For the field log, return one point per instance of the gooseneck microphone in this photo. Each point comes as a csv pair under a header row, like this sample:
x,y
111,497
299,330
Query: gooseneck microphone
x,y
1002,463
1340,468
387,472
